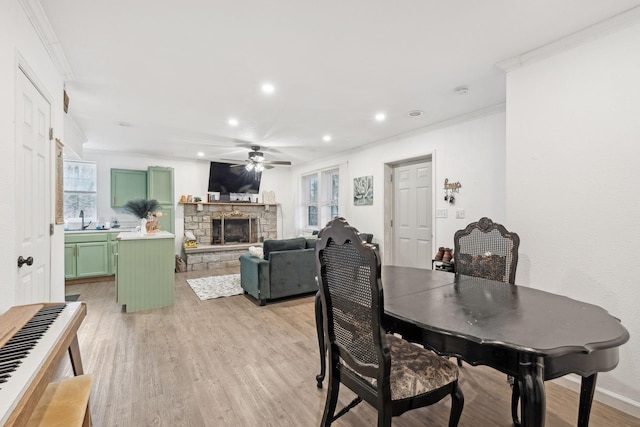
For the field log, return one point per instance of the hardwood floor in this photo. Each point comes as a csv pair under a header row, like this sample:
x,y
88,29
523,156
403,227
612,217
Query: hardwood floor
x,y
230,362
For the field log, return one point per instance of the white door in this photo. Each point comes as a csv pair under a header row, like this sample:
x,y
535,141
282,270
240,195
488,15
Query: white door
x,y
33,242
412,213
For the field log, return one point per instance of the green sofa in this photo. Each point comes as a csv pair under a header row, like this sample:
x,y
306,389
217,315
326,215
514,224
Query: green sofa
x,y
288,269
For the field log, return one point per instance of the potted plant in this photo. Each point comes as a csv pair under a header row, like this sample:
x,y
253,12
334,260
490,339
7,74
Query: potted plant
x,y
142,208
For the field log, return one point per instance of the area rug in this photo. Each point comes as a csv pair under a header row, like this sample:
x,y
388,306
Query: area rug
x,y
216,286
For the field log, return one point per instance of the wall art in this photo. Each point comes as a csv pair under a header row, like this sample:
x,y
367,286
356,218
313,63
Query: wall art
x,y
363,190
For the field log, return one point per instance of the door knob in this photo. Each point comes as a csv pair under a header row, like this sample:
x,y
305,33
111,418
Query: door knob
x,y
22,261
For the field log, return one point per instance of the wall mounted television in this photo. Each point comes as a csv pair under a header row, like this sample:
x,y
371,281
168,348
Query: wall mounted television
x,y
227,178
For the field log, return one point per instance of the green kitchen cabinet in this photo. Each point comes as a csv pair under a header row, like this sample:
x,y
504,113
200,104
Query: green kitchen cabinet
x,y
167,220
160,188
87,255
70,261
127,185
160,184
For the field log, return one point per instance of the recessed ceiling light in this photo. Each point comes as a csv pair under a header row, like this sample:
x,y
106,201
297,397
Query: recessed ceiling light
x,y
268,88
233,122
415,113
200,154
326,138
124,124
380,117
461,90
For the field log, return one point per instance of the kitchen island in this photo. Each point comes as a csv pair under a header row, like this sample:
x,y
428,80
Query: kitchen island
x,y
145,267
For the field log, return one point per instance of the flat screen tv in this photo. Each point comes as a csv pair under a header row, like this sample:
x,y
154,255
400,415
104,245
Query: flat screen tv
x,y
225,179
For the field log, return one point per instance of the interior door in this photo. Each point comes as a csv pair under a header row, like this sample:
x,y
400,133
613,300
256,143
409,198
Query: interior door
x,y
412,215
33,189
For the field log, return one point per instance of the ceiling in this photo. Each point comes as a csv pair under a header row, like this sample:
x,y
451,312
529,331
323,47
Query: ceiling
x,y
163,78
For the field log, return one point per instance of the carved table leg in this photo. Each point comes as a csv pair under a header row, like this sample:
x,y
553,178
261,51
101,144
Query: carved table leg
x,y
587,387
321,344
532,396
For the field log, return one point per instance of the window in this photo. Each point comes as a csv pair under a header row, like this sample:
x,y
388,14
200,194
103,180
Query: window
x,y
320,196
80,190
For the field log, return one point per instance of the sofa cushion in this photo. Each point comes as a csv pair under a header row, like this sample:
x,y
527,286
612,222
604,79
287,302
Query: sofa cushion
x,y
311,243
269,246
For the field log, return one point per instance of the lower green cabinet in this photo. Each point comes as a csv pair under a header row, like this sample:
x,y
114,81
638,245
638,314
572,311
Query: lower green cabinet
x,y
88,255
70,261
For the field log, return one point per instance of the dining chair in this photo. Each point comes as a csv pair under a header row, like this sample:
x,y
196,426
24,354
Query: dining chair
x,y
389,373
487,249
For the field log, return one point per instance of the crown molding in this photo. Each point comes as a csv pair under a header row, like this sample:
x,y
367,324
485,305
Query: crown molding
x,y
40,21
594,32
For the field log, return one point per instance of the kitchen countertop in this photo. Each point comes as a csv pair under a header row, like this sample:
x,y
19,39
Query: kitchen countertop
x,y
108,230
137,236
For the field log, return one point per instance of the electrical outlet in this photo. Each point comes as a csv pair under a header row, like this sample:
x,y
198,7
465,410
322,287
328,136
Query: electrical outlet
x,y
460,213
442,213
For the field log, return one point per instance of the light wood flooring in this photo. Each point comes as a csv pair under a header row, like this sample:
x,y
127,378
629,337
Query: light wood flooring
x,y
230,362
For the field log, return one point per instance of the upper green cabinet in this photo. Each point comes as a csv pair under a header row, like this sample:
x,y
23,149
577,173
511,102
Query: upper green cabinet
x,y
160,184
128,185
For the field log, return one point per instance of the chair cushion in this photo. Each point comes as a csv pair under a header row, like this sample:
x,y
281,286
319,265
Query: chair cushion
x,y
283,245
489,266
415,370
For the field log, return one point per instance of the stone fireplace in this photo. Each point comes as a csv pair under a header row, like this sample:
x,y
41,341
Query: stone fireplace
x,y
224,231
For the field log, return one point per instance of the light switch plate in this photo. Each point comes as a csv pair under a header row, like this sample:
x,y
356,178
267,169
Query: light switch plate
x,y
442,213
460,213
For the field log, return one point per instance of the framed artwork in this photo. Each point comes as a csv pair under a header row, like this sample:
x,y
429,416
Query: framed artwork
x,y
59,183
363,190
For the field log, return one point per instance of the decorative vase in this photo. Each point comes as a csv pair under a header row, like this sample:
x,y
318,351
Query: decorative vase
x,y
143,226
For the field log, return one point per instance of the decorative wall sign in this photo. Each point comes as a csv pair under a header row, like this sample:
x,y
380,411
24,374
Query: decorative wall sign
x,y
449,189
363,190
59,183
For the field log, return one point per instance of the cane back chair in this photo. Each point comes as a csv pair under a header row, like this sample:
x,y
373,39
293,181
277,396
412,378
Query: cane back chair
x,y
387,372
486,249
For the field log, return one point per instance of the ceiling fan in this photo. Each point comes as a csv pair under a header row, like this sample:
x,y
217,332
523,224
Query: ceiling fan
x,y
256,161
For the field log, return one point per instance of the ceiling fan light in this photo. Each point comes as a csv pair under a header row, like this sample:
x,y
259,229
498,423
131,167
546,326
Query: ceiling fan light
x,y
249,167
259,167
256,156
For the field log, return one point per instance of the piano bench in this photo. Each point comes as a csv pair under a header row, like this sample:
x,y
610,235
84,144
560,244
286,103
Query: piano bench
x,y
64,403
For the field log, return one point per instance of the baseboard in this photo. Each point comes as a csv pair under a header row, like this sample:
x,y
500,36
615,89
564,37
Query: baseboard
x,y
90,280
621,403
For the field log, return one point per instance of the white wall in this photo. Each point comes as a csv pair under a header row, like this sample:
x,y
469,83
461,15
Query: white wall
x,y
471,152
19,43
573,133
190,177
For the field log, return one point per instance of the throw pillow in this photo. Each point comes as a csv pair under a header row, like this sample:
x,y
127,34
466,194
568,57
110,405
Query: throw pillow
x,y
283,245
256,251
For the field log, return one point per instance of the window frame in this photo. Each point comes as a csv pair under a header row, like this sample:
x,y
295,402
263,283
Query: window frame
x,y
327,197
93,193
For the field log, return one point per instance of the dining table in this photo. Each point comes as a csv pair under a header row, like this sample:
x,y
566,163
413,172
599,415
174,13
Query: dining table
x,y
527,333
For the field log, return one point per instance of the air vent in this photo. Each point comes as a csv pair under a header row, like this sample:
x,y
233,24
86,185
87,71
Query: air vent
x,y
415,113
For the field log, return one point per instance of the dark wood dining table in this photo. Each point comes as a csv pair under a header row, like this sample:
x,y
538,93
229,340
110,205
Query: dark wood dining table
x,y
527,333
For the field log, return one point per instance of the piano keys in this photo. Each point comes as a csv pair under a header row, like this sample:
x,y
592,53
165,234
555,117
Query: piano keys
x,y
33,340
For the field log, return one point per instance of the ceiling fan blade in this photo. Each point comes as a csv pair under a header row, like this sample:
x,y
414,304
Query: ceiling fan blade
x,y
241,162
277,162
266,166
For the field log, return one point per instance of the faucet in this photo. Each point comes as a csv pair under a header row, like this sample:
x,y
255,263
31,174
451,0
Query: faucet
x,y
84,227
